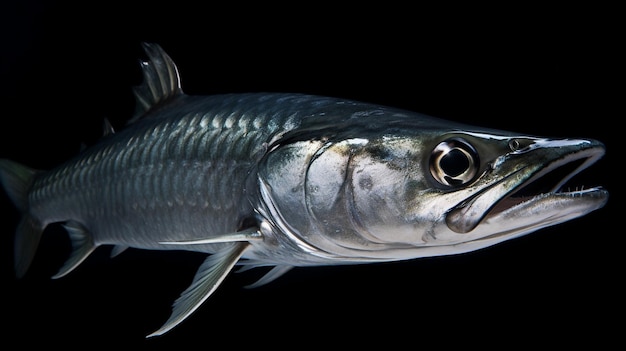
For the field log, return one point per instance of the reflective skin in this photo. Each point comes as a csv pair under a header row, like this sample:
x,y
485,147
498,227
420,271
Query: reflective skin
x,y
384,198
287,180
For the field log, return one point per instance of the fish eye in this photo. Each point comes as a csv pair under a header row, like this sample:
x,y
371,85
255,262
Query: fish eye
x,y
454,162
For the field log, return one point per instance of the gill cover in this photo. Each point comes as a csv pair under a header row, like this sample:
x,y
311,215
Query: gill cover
x,y
306,185
350,198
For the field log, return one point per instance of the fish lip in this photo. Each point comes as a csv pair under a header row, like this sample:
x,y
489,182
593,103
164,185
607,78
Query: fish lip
x,y
466,216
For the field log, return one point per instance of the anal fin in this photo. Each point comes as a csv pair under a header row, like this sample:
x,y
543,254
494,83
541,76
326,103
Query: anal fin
x,y
209,276
82,246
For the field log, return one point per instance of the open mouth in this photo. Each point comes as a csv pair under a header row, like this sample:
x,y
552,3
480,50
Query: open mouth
x,y
542,184
550,183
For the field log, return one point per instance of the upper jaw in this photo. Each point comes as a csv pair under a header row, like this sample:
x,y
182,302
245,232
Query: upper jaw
x,y
541,162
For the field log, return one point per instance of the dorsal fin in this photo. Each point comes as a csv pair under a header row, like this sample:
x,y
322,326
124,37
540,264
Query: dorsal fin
x,y
161,81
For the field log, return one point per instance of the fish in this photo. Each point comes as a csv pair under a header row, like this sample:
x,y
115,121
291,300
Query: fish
x,y
275,181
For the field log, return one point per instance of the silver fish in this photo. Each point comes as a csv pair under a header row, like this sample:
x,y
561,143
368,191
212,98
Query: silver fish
x,y
290,180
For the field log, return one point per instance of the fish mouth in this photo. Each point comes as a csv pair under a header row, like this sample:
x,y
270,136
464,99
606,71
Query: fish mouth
x,y
536,194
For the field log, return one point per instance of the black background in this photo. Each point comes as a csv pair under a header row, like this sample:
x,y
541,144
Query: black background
x,y
535,70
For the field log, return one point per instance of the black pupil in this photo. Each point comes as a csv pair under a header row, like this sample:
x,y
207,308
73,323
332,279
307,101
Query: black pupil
x,y
454,163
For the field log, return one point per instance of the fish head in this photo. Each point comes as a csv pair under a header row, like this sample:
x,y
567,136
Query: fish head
x,y
403,193
487,188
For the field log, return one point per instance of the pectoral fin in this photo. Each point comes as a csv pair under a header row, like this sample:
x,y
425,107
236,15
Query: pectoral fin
x,y
208,277
244,235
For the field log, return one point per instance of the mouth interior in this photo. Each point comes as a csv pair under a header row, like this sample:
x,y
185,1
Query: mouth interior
x,y
552,182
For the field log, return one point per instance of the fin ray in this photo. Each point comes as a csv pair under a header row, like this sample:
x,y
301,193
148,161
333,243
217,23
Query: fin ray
x,y
161,80
209,276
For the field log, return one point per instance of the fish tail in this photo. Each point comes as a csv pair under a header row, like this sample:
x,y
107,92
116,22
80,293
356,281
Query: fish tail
x,y
27,238
17,181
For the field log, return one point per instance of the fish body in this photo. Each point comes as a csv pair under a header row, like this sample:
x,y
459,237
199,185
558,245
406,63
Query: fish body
x,y
288,180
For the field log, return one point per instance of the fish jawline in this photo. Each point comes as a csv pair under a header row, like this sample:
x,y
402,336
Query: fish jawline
x,y
529,205
537,212
463,218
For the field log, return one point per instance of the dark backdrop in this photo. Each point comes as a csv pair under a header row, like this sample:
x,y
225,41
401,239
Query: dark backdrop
x,y
542,71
